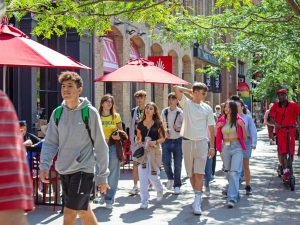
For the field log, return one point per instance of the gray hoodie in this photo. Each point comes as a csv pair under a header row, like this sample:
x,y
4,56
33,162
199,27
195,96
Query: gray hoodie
x,y
71,141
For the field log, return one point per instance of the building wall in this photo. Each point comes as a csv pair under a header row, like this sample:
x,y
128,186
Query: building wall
x,y
184,64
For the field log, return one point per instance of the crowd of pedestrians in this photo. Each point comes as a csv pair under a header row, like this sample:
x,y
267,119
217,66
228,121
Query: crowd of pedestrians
x,y
87,146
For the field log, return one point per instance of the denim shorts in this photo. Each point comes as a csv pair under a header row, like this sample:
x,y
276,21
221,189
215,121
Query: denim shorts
x,y
247,154
77,188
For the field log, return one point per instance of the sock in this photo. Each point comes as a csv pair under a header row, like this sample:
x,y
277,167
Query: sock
x,y
198,192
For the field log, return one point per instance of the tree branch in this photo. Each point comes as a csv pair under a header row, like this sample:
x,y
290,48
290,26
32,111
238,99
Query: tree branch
x,y
295,6
143,7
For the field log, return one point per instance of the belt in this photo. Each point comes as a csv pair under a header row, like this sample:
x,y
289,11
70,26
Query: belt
x,y
184,138
169,139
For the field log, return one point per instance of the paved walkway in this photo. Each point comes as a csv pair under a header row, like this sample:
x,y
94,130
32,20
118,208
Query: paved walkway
x,y
271,202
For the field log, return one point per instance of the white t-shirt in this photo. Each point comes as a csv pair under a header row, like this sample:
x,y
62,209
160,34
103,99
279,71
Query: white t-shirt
x,y
171,118
196,118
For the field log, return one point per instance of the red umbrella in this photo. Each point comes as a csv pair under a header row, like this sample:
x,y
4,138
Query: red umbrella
x,y
17,49
141,70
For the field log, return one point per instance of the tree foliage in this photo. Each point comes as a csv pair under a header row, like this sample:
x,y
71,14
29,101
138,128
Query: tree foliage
x,y
86,16
265,34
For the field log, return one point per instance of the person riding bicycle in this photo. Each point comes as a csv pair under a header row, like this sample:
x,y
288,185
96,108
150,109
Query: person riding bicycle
x,y
284,113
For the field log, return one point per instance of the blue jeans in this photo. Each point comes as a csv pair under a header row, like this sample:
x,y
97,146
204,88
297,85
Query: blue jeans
x,y
114,175
208,171
233,161
169,147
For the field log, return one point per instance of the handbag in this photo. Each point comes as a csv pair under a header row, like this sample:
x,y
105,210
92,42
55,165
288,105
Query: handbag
x,y
139,152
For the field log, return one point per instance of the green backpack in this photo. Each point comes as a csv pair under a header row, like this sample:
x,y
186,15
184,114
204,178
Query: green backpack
x,y
85,114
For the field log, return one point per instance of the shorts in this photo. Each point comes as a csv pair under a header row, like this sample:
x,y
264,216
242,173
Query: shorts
x,y
247,154
77,188
195,156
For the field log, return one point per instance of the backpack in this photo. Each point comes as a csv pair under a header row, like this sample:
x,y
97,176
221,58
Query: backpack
x,y
166,115
85,114
132,112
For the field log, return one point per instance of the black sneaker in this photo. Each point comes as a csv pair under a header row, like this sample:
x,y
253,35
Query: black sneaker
x,y
248,190
224,191
144,165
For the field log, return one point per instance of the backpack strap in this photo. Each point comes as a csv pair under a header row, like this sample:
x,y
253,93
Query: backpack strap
x,y
85,114
166,115
177,113
132,112
57,114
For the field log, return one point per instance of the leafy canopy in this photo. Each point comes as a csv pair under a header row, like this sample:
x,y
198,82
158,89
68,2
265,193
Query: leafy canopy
x,y
265,34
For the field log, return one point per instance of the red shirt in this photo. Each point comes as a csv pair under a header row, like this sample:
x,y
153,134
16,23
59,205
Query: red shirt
x,y
285,116
15,181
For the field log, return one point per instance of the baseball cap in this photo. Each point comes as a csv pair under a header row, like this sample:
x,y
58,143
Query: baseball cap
x,y
281,91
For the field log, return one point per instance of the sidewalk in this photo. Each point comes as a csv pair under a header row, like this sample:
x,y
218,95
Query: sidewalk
x,y
271,202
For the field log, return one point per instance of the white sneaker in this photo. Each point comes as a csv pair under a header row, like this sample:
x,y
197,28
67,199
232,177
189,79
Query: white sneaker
x,y
134,191
144,205
160,195
108,206
230,204
170,184
197,205
207,190
177,190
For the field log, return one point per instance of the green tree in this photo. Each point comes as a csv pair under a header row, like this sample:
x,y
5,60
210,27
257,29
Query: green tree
x,y
266,34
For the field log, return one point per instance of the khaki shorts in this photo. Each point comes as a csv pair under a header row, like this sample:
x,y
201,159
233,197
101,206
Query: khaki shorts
x,y
195,156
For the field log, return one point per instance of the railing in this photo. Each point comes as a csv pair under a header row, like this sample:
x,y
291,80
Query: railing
x,y
44,194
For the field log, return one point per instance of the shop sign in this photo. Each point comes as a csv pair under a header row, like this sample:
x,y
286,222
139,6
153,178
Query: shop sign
x,y
164,62
214,83
134,53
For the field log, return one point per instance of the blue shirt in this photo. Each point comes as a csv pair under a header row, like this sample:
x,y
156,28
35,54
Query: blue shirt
x,y
250,128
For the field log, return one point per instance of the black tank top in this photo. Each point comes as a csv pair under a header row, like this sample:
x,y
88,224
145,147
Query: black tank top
x,y
153,133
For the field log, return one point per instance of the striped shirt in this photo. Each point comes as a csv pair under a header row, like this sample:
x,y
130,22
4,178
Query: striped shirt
x,y
15,180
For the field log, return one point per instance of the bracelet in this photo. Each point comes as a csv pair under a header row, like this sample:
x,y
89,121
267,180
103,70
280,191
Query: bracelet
x,y
211,148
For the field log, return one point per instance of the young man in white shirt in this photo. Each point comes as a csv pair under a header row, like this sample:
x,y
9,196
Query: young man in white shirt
x,y
172,117
197,118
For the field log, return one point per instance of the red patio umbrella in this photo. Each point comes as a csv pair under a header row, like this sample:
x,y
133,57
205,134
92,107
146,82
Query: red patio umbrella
x,y
141,70
18,50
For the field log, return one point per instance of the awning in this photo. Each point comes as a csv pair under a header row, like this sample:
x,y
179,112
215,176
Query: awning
x,y
134,53
110,58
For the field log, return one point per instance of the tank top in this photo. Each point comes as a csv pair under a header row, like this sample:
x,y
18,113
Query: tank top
x,y
229,131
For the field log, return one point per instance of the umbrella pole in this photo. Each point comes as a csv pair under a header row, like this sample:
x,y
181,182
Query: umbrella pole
x,y
4,78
